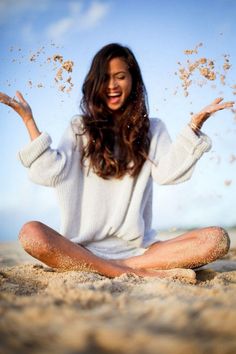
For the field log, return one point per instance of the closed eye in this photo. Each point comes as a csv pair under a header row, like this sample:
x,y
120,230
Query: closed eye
x,y
121,77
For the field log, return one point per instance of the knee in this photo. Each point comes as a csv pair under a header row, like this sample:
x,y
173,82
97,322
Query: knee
x,y
219,240
32,237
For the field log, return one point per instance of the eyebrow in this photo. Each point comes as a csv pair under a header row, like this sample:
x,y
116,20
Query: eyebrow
x,y
119,72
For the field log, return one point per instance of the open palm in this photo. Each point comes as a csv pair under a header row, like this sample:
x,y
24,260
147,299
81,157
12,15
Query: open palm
x,y
20,105
217,105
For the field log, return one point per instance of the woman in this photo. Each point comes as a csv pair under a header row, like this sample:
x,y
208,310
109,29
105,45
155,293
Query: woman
x,y
103,172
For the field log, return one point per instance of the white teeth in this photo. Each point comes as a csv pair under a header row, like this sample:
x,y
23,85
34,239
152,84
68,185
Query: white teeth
x,y
114,95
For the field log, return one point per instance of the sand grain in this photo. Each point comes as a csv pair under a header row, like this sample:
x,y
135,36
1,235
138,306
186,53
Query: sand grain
x,y
45,311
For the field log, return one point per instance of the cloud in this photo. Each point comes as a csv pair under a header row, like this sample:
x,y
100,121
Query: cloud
x,y
11,10
94,15
60,28
78,19
72,17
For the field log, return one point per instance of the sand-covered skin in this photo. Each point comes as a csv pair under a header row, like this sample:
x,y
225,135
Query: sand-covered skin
x,y
44,311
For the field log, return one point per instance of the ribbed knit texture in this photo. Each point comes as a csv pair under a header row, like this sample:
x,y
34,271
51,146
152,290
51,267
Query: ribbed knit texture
x,y
112,218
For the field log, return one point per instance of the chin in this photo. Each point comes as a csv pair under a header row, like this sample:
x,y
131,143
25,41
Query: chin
x,y
115,109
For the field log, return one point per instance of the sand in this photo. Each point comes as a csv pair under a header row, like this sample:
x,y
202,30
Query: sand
x,y
44,311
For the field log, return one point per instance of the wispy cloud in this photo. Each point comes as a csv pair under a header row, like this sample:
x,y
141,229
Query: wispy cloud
x,y
78,19
60,28
71,17
11,10
94,15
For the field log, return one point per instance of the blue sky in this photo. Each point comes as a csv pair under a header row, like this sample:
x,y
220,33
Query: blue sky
x,y
158,32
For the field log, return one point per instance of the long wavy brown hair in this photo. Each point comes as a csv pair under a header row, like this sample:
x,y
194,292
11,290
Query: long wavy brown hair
x,y
129,135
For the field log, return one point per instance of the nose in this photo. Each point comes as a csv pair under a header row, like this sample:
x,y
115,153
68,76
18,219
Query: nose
x,y
112,83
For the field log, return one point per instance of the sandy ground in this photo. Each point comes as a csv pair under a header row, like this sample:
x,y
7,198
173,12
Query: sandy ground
x,y
44,311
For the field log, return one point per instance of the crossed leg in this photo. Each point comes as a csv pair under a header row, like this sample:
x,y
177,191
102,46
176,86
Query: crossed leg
x,y
190,250
170,258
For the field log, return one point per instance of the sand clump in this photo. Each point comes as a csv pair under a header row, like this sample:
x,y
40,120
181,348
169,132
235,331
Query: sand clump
x,y
200,70
195,71
63,68
46,311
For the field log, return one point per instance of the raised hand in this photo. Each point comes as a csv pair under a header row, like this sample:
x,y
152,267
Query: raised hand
x,y
217,105
23,109
20,106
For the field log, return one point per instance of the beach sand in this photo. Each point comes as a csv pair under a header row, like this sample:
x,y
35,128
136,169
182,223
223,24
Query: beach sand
x,y
45,311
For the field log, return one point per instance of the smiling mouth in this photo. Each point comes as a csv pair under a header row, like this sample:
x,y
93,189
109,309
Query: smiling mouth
x,y
114,95
114,98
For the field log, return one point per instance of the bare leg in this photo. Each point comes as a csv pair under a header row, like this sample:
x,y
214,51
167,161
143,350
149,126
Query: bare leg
x,y
48,246
190,250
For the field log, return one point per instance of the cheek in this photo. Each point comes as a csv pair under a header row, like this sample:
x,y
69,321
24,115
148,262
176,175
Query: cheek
x,y
128,88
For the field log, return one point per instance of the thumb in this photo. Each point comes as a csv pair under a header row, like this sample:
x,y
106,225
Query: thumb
x,y
20,97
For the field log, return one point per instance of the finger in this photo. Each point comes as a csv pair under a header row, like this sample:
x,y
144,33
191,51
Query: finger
x,y
20,97
11,102
221,107
4,98
229,104
225,105
217,100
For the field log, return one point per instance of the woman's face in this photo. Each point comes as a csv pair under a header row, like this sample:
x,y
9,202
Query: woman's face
x,y
118,84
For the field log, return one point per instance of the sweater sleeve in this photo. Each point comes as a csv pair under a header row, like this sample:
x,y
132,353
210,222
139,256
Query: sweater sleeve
x,y
174,162
49,166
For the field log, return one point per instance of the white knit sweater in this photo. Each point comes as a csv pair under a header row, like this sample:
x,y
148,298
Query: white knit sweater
x,y
112,218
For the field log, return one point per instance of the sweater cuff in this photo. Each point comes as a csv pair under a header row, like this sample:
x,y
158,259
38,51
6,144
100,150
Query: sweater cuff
x,y
34,149
193,143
